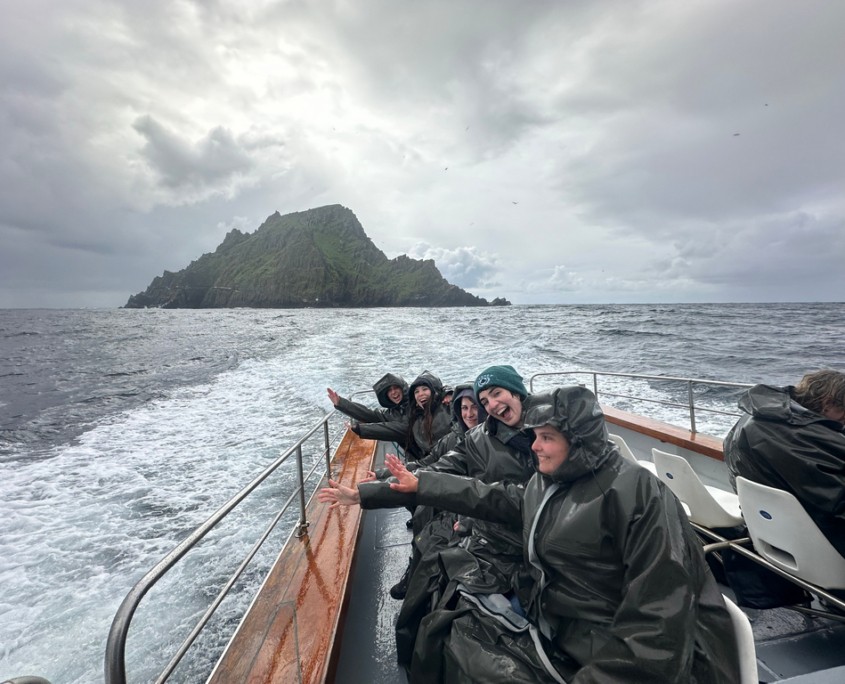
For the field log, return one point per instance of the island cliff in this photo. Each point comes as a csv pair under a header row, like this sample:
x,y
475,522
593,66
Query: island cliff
x,y
316,258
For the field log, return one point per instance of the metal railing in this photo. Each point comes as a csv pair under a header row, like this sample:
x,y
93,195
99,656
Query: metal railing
x,y
115,658
690,383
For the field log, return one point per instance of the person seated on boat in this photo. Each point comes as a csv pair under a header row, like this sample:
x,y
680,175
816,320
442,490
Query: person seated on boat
x,y
432,527
619,590
792,438
426,420
466,414
391,392
497,450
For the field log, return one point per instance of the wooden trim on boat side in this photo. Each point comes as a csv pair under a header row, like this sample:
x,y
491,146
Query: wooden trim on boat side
x,y
694,441
290,632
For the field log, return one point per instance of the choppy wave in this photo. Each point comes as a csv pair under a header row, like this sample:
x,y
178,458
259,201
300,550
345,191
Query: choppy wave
x,y
122,430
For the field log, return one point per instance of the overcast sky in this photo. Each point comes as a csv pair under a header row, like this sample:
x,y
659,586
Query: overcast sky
x,y
560,151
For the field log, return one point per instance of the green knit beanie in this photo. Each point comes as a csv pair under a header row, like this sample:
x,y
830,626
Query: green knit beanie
x,y
500,376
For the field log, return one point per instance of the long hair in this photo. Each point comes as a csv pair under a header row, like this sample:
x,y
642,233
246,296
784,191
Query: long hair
x,y
425,414
820,389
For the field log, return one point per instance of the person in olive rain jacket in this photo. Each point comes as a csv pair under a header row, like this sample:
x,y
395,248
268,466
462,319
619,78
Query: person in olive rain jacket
x,y
620,590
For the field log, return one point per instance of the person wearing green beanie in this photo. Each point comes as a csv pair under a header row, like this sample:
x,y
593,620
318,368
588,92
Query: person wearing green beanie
x,y
500,376
501,392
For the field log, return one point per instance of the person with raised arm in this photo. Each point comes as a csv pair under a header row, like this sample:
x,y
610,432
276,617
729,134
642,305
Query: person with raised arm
x,y
497,450
391,392
434,528
619,592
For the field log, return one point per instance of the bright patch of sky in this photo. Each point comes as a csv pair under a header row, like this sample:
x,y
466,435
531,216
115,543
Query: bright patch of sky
x,y
546,152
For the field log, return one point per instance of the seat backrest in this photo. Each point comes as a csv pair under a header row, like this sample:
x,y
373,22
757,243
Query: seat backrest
x,y
624,449
679,476
786,535
745,643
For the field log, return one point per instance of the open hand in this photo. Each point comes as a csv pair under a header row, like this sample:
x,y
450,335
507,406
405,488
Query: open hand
x,y
337,494
334,397
407,480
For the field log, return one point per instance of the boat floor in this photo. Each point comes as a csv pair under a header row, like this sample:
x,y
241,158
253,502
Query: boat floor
x,y
793,647
368,645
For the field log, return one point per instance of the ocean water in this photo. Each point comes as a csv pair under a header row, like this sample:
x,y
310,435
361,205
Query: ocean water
x,y
122,430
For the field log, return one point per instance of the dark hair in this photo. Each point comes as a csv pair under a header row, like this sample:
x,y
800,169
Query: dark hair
x,y
821,389
424,413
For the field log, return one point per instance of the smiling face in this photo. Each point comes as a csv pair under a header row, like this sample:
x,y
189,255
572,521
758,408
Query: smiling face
x,y
502,404
469,412
422,395
395,394
551,448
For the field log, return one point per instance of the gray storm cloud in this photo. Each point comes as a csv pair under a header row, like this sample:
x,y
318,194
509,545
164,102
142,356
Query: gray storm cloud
x,y
660,150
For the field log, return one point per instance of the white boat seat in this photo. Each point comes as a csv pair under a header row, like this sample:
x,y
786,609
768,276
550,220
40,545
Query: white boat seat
x,y
745,643
785,535
708,506
626,452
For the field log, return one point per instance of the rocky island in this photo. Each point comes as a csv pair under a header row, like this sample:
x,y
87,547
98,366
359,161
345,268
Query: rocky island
x,y
316,258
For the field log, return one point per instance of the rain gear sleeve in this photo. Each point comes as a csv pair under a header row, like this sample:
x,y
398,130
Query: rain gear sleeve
x,y
781,444
392,431
619,586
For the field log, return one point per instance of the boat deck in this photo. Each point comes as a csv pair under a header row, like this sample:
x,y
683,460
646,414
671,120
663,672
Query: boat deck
x,y
367,644
792,647
290,630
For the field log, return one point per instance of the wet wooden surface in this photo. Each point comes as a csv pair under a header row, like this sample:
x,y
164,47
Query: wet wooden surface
x,y
289,633
697,442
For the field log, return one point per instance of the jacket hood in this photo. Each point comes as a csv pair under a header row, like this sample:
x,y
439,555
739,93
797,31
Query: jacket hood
x,y
431,381
384,383
576,413
461,391
768,402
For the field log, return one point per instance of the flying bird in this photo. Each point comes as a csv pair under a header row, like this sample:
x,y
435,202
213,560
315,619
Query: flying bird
x,y
736,134
512,202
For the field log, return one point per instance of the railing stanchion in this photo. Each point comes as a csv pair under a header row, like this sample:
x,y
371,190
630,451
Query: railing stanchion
x,y
691,407
596,385
302,527
328,451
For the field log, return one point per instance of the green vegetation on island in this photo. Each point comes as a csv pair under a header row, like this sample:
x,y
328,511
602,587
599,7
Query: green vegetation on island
x,y
316,258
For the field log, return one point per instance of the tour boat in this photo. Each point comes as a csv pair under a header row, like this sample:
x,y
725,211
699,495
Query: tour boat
x,y
323,612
